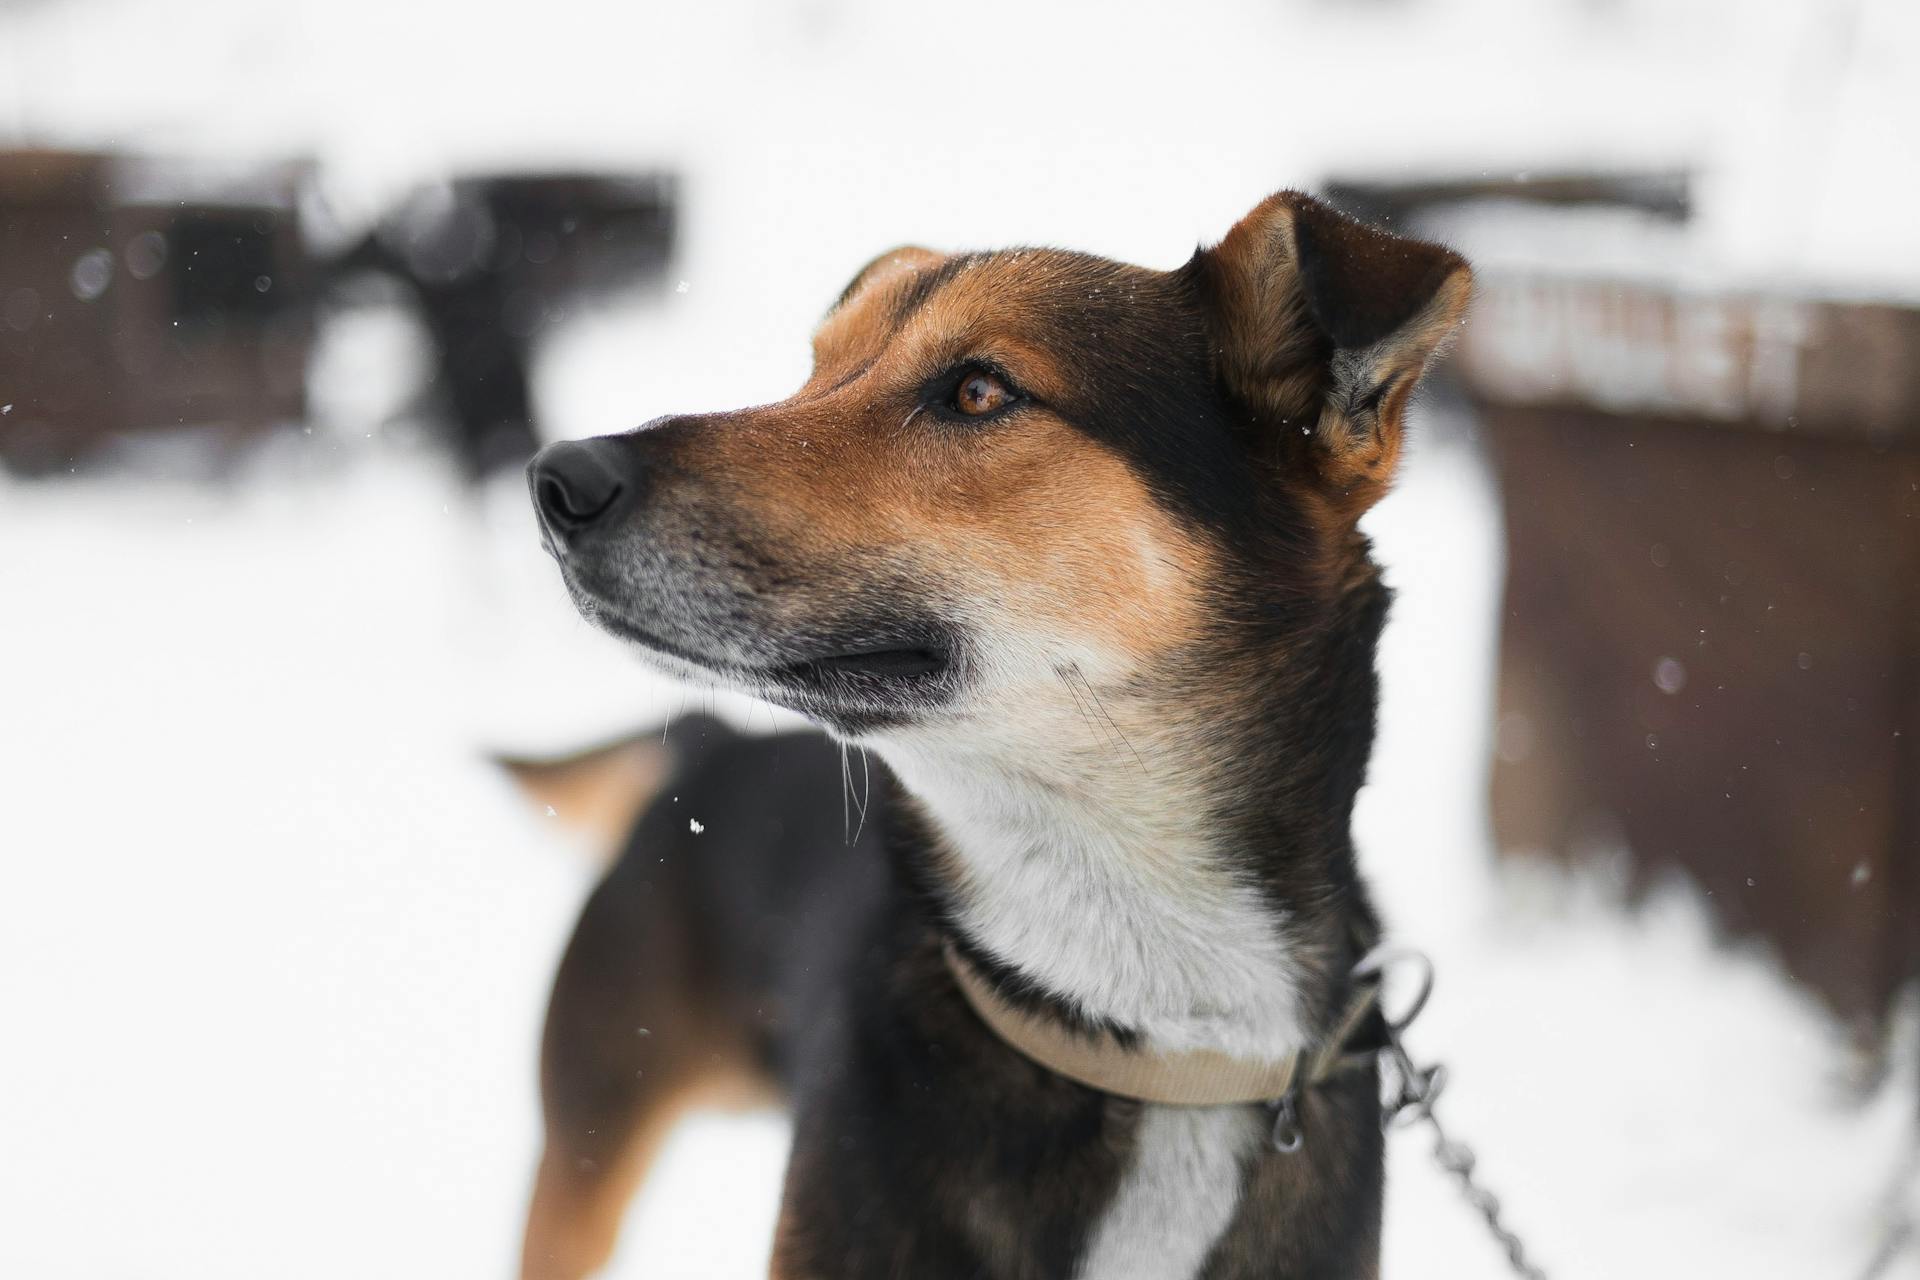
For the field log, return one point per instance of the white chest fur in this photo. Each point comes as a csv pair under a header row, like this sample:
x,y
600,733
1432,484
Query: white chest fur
x,y
1178,1196
1101,889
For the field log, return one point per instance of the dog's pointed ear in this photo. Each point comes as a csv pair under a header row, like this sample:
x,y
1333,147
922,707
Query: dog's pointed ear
x,y
1321,326
902,260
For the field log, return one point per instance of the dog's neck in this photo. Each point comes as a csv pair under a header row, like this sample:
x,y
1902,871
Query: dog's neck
x,y
1178,868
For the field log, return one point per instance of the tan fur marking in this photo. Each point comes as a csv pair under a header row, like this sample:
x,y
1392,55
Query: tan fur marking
x,y
1030,518
597,793
578,1203
1026,516
854,324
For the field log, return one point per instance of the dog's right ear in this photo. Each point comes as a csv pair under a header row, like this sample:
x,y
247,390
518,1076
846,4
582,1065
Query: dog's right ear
x,y
1321,326
906,259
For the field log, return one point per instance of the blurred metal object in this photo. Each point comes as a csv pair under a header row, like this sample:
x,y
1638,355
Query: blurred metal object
x,y
1899,1215
1286,1136
1457,1159
138,295
1382,959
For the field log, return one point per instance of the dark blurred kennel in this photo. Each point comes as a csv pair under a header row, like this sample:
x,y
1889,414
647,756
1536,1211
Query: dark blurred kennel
x,y
141,295
137,296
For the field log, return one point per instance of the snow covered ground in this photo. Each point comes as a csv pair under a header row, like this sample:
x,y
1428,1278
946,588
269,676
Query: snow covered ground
x,y
274,938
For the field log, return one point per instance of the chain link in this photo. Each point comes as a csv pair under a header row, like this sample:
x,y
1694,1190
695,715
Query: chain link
x,y
1899,1223
1416,1090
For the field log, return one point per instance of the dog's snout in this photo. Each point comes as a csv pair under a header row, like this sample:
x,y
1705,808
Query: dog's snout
x,y
578,484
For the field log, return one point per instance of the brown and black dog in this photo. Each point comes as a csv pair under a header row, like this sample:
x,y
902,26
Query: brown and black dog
x,y
1070,546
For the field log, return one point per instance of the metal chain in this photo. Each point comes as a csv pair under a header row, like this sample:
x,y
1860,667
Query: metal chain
x,y
1900,1227
1416,1090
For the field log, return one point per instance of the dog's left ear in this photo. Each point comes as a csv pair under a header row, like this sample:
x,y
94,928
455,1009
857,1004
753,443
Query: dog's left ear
x,y
1321,326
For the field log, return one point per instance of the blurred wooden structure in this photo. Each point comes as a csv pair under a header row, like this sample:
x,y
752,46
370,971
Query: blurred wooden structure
x,y
140,295
1710,650
137,296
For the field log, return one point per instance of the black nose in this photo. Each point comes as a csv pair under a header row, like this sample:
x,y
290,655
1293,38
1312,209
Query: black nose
x,y
577,483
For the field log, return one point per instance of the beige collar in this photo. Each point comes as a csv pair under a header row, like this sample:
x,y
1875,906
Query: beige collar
x,y
1195,1078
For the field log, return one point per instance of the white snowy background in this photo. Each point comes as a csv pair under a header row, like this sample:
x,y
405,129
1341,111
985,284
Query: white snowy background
x,y
275,938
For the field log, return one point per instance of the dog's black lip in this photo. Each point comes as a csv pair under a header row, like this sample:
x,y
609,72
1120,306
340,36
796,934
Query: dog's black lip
x,y
900,662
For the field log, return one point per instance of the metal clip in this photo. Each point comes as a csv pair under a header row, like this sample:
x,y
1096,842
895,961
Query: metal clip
x,y
1378,961
1288,1137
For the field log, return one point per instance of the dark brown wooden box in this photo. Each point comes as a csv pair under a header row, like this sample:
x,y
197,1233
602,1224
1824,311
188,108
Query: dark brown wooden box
x,y
138,295
1710,651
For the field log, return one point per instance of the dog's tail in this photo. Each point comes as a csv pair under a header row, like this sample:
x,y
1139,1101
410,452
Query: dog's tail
x,y
599,791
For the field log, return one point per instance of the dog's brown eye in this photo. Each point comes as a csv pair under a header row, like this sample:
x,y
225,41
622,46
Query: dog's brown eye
x,y
980,393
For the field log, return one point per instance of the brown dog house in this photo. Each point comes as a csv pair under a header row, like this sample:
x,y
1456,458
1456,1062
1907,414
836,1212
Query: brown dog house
x,y
1710,650
137,295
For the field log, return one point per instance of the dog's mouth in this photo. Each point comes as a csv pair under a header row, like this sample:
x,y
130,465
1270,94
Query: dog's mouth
x,y
904,663
859,672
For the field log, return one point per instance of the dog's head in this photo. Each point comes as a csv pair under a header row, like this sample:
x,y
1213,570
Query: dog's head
x,y
1013,473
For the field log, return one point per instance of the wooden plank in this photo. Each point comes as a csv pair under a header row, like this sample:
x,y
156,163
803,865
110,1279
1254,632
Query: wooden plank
x,y
1639,349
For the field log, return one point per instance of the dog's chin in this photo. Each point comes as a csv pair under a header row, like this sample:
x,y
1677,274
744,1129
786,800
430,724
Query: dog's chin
x,y
669,658
850,686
